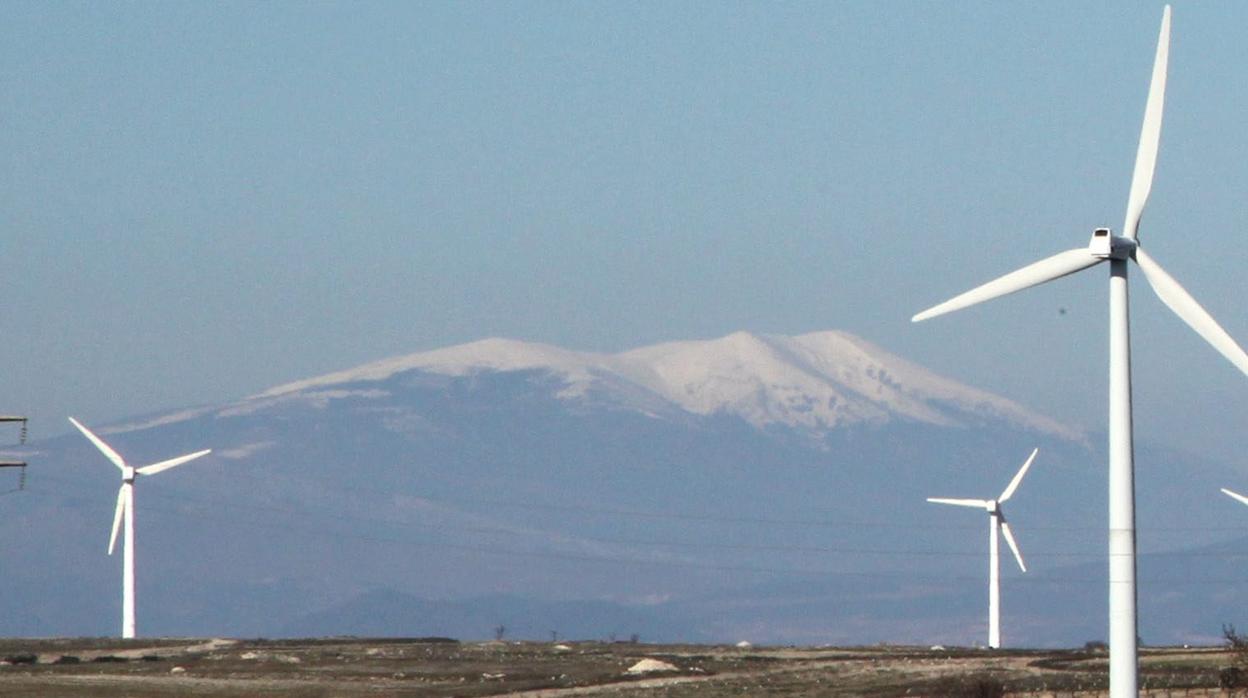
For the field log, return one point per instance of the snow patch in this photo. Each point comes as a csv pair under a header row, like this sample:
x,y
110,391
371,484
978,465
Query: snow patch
x,y
171,418
492,354
318,399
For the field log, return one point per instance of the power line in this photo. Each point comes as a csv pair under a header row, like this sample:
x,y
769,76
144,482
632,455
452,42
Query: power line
x,y
354,534
462,502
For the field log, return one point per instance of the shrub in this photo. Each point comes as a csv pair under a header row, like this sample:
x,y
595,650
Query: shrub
x,y
1237,644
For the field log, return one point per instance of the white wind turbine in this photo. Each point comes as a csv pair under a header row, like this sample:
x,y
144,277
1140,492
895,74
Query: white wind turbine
x,y
125,509
996,522
1118,250
1235,495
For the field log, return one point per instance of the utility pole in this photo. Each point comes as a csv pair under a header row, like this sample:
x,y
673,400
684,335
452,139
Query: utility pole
x,y
8,463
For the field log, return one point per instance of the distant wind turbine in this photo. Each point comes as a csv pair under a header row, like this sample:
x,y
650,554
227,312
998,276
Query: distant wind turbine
x,y
996,521
125,509
1119,249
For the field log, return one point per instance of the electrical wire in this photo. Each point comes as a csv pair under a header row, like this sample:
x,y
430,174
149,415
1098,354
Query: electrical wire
x,y
355,535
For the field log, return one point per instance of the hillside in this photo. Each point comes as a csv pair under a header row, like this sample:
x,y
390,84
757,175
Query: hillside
x,y
752,486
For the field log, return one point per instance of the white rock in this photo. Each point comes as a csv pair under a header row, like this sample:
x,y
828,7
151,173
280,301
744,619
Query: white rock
x,y
744,644
651,666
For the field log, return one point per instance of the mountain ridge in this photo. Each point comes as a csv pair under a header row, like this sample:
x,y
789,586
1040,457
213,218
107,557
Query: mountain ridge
x,y
817,381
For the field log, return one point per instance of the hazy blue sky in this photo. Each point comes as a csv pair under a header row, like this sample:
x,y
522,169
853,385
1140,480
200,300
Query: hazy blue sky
x,y
201,200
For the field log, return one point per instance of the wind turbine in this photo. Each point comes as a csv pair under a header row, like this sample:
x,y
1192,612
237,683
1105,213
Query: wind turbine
x,y
996,522
125,509
1118,250
1235,495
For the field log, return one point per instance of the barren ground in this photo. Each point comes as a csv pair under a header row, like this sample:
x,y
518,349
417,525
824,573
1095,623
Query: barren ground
x,y
349,667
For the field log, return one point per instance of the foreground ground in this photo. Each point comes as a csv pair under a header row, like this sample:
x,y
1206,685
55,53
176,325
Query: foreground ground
x,y
362,667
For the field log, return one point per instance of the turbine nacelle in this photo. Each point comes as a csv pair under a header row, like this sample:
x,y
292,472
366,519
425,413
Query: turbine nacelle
x,y
1105,245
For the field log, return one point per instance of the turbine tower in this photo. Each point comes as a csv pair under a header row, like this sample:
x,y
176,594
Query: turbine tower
x,y
996,522
1118,250
125,510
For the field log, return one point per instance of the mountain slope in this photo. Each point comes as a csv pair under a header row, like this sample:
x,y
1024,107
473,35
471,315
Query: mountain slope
x,y
717,488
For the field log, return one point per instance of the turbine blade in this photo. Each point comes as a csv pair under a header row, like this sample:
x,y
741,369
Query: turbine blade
x,y
1150,133
975,503
1009,538
1181,302
121,509
1235,495
1009,490
99,443
172,462
1054,267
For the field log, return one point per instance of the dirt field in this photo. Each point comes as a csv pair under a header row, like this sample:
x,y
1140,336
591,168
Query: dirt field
x,y
361,667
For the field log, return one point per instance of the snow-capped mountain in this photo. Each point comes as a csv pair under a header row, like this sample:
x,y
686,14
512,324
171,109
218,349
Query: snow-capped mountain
x,y
818,381
687,490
